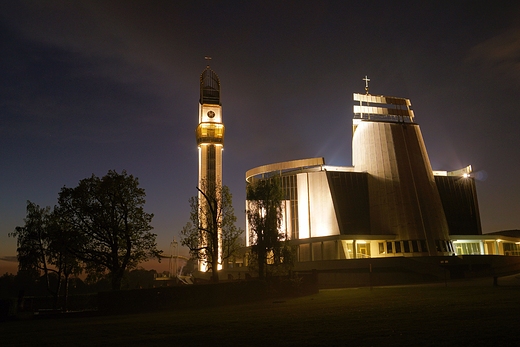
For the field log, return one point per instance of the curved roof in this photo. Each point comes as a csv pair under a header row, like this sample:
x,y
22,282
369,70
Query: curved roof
x,y
284,166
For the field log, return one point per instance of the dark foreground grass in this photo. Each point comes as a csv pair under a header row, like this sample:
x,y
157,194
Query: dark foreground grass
x,y
394,316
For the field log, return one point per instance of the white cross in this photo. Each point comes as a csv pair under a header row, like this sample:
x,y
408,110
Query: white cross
x,y
366,79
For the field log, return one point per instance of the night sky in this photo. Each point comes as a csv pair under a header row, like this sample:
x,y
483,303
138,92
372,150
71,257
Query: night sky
x,y
90,86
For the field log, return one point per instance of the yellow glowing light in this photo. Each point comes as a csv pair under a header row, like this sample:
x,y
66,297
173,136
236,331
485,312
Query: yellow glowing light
x,y
465,175
210,133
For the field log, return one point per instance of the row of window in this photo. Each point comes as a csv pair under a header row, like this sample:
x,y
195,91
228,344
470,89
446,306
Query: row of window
x,y
331,250
413,246
444,246
511,248
327,250
407,246
468,248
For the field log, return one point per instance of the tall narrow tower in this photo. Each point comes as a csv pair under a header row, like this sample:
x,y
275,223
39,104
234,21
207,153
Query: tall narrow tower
x,y
210,140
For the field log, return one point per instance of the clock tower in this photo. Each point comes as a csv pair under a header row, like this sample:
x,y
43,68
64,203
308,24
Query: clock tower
x,y
210,141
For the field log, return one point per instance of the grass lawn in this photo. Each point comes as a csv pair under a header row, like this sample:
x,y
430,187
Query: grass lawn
x,y
468,315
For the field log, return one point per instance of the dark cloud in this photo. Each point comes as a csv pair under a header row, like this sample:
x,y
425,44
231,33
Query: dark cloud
x,y
500,55
11,258
89,86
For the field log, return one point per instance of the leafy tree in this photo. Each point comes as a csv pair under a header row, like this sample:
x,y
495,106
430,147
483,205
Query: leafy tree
x,y
33,241
211,234
110,226
43,246
62,241
264,216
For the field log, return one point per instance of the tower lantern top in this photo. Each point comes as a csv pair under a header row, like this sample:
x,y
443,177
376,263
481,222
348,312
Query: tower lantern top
x,y
209,87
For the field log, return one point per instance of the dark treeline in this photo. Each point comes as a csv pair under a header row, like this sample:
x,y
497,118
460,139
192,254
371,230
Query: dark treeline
x,y
28,284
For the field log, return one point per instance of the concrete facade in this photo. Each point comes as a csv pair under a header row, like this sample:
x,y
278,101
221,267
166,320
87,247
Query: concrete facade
x,y
389,204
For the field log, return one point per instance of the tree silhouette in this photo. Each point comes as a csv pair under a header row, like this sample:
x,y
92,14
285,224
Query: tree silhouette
x,y
44,247
110,227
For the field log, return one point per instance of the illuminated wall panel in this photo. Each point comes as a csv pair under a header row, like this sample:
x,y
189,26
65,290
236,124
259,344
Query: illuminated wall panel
x,y
323,215
404,200
303,206
315,208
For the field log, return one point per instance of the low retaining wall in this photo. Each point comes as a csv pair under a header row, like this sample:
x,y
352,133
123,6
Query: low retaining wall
x,y
203,295
407,270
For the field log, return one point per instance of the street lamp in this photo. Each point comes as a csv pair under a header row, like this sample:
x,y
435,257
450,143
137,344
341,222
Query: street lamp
x,y
174,244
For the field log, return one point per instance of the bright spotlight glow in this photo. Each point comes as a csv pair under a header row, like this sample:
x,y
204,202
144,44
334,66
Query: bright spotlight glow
x,y
465,175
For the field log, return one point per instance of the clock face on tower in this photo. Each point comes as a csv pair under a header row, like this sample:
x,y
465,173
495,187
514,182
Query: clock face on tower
x,y
211,114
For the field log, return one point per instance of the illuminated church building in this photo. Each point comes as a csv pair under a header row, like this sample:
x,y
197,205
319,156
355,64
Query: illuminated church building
x,y
390,204
388,210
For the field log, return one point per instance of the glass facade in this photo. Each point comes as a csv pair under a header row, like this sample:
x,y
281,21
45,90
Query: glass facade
x,y
290,188
210,133
467,248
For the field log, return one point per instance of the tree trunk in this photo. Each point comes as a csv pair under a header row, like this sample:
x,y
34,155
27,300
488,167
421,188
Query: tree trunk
x,y
66,293
214,259
214,275
261,263
57,292
117,278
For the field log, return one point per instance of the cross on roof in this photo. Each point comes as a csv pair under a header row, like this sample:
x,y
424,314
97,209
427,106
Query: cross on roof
x,y
366,79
